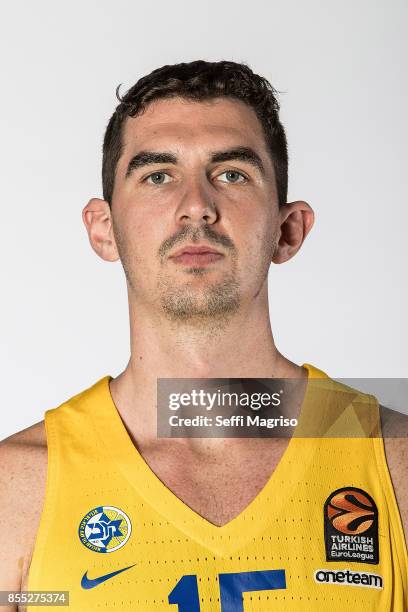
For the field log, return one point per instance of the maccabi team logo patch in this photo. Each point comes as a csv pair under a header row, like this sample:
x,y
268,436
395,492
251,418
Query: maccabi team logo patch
x,y
105,529
351,526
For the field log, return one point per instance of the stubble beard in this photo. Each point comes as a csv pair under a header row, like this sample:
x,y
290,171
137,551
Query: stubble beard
x,y
213,304
216,301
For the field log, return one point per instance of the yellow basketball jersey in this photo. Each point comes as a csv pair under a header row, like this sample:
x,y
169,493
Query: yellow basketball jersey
x,y
323,534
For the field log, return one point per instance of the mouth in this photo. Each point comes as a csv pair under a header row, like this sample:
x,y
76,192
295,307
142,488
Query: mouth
x,y
196,256
197,259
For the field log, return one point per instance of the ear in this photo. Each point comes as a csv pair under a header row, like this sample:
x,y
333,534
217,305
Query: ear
x,y
296,221
97,218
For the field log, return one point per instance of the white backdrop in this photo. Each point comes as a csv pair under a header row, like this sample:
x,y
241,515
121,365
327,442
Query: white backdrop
x,y
341,304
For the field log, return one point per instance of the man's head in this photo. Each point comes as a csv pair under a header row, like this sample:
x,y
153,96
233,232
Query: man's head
x,y
195,155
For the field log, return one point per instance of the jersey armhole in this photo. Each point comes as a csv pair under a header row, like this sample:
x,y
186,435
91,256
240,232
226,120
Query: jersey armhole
x,y
48,503
395,517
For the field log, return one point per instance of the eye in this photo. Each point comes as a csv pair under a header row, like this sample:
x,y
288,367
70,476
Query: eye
x,y
158,178
232,176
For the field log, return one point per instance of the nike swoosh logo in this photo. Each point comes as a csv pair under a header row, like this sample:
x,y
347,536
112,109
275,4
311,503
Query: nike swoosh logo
x,y
90,583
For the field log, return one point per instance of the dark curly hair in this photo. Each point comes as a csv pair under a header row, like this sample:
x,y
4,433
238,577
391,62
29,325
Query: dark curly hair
x,y
199,80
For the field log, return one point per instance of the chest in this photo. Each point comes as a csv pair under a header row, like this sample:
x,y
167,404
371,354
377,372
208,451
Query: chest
x,y
172,555
217,488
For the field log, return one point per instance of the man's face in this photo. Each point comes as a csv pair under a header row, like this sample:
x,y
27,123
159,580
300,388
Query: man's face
x,y
195,174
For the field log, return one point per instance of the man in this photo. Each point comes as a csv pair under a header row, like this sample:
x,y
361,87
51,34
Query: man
x,y
195,187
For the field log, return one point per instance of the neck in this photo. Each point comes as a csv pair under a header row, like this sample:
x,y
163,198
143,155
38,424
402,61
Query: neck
x,y
241,347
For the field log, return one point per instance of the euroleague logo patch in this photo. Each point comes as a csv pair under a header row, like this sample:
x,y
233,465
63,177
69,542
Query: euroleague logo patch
x,y
104,529
351,526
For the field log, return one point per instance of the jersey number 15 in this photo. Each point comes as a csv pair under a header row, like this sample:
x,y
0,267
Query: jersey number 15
x,y
232,586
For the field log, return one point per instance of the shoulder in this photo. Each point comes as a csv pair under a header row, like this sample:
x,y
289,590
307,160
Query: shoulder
x,y
24,449
395,434
394,424
23,458
23,467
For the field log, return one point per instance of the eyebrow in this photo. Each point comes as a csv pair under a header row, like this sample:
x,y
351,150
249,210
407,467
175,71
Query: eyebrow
x,y
146,158
245,154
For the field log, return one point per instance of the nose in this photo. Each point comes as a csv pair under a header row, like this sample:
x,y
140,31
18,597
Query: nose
x,y
197,203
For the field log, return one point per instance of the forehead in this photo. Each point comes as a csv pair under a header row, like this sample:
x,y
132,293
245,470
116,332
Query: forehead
x,y
179,123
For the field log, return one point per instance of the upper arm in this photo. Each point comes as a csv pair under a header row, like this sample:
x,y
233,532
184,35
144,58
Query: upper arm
x,y
395,433
23,460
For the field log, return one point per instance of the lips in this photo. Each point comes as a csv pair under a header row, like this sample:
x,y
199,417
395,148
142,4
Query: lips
x,y
195,250
196,255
